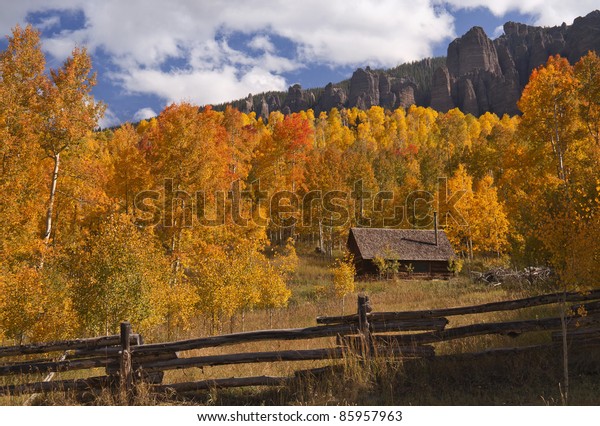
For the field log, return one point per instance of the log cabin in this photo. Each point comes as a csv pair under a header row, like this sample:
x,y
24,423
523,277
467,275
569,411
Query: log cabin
x,y
419,253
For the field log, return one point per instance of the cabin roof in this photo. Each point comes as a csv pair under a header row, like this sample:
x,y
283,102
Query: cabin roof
x,y
401,244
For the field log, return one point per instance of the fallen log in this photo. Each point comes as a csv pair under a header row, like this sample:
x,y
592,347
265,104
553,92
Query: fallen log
x,y
509,305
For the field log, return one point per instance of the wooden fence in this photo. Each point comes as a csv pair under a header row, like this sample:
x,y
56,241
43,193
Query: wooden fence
x,y
126,360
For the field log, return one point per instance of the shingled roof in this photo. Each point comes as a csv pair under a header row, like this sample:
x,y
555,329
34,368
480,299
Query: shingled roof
x,y
402,244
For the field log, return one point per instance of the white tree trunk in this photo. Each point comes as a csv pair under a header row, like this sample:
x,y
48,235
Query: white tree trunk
x,y
50,210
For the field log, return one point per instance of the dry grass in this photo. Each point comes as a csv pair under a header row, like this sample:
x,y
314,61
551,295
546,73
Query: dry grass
x,y
516,380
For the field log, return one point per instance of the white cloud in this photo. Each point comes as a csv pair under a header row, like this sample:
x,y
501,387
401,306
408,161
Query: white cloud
x,y
61,47
109,119
49,22
142,37
366,32
15,12
144,114
200,86
339,32
263,43
545,12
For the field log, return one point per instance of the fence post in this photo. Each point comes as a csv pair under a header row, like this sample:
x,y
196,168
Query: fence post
x,y
363,323
126,367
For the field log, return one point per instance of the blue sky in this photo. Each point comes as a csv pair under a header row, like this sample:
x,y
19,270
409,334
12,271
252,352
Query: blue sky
x,y
150,53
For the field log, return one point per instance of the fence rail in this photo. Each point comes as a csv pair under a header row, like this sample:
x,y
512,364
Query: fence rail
x,y
408,334
509,305
90,344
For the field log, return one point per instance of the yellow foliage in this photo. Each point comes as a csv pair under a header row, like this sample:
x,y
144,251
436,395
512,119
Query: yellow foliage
x,y
482,226
33,308
119,272
174,303
285,261
240,278
343,278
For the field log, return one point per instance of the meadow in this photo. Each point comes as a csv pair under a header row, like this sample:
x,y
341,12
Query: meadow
x,y
508,379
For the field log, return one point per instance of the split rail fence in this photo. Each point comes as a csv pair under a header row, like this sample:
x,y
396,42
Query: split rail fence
x,y
126,360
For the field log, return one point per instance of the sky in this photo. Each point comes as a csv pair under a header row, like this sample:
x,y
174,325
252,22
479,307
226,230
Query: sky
x,y
148,54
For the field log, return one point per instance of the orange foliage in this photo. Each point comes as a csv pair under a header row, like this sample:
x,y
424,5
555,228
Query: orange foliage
x,y
68,193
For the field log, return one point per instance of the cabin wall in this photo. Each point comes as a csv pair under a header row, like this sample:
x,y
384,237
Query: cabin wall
x,y
440,267
362,266
365,267
352,247
420,269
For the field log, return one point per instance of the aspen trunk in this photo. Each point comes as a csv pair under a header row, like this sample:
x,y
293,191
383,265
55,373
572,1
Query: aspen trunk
x,y
330,248
565,348
321,245
51,199
50,210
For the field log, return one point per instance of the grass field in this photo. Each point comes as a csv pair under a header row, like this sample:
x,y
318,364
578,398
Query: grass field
x,y
511,380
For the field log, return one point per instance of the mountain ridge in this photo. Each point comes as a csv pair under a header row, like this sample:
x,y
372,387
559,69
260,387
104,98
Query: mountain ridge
x,y
478,75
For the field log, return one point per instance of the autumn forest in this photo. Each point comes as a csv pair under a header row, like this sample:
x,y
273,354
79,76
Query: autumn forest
x,y
199,213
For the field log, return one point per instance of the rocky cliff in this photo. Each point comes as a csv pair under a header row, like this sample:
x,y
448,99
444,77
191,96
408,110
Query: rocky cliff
x,y
479,74
485,75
